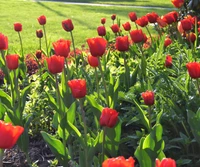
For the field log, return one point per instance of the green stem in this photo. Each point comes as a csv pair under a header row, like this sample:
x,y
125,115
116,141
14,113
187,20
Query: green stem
x,y
104,82
17,92
149,34
126,76
20,39
28,159
136,25
198,88
1,157
40,44
85,132
45,39
76,63
103,143
149,112
97,82
58,94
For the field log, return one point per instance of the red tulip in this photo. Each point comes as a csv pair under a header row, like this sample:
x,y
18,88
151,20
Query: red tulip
x,y
186,24
152,17
132,16
193,69
138,36
199,29
39,33
166,162
3,42
101,31
170,17
127,26
103,20
113,17
93,61
62,47
18,27
122,43
119,162
168,61
161,22
55,64
142,21
42,20
9,135
12,61
191,37
177,3
108,117
115,28
167,41
67,25
97,46
148,97
78,88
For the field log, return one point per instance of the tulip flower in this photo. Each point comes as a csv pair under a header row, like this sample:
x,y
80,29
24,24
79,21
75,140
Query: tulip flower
x,y
142,21
168,61
67,25
39,33
93,61
170,17
152,17
78,88
177,3
186,24
97,46
115,28
101,31
3,42
12,61
166,162
113,17
127,26
191,37
18,27
122,43
55,64
108,117
103,21
132,16
148,97
42,20
62,47
138,36
119,162
193,69
167,41
9,135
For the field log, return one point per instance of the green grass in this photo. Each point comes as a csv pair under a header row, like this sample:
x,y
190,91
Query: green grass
x,y
85,19
131,2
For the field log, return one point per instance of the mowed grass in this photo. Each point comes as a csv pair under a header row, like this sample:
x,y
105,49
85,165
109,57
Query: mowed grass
x,y
159,3
86,19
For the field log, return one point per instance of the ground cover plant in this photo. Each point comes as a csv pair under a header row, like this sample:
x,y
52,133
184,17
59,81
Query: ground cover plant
x,y
128,97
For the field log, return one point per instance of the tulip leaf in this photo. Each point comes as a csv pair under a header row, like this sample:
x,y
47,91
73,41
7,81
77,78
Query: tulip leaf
x,y
194,122
93,102
56,147
5,99
142,115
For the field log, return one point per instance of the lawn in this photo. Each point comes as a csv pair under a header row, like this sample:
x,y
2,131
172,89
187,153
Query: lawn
x,y
85,19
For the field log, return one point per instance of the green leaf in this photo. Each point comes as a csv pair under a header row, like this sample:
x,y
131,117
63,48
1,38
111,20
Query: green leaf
x,y
94,103
143,117
71,113
5,99
56,147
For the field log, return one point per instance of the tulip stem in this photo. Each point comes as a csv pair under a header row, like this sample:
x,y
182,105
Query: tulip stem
x,y
85,132
136,25
76,63
149,34
97,82
1,157
149,112
198,88
20,39
103,143
45,35
17,92
126,76
104,82
58,94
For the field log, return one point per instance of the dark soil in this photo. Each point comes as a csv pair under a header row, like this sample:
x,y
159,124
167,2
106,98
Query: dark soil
x,y
39,154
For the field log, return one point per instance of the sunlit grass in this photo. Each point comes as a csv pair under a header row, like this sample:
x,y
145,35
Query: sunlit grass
x,y
85,19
